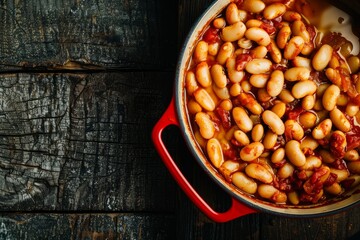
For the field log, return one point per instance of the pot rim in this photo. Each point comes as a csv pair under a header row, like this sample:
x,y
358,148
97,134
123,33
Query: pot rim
x,y
332,206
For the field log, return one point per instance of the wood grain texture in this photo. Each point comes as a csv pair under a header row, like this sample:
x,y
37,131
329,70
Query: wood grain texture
x,y
87,34
82,142
188,14
86,226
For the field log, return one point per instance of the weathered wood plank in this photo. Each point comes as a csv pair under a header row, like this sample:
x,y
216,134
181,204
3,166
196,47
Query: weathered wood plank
x,y
88,34
188,14
86,226
339,226
82,142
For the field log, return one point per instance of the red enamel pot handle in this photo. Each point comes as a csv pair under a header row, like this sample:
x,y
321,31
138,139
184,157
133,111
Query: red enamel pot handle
x,y
236,209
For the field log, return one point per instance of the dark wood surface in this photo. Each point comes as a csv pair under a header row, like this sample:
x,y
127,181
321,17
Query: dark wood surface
x,y
82,84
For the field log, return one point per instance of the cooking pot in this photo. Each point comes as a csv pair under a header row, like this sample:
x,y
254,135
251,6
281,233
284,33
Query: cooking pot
x,y
242,203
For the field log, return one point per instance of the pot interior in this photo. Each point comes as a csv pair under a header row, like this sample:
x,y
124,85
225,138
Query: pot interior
x,y
333,205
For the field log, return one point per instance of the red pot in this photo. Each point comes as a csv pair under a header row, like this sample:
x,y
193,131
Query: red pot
x,y
242,204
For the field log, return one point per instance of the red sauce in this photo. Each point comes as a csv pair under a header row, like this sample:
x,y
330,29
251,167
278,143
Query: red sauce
x,y
211,35
353,136
241,61
224,116
337,145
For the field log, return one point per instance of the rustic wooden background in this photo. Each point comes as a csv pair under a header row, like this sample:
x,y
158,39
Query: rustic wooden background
x,y
82,83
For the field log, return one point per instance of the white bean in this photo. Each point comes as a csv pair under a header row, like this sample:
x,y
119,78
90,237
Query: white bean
x,y
201,51
343,100
258,66
283,36
218,75
214,152
234,75
270,139
322,57
245,43
226,50
308,102
326,156
250,103
267,190
258,35
352,109
190,83
270,192
342,174
294,47
257,132
258,172
294,153
322,129
351,155
235,89
219,23
206,126
279,108
339,120
354,167
293,130
213,49
274,122
286,96
275,83
311,163
274,51
297,73
263,95
303,88
241,138
242,119
202,74
233,32
245,86
254,6
302,62
334,188
259,52
291,16
299,29
278,155
252,151
330,97
294,197
204,99
274,10
308,143
253,23
308,119
333,75
285,171
228,168
232,14
222,93
259,80
244,183
193,106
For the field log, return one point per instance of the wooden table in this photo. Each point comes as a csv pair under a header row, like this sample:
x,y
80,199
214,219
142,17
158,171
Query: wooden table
x,y
82,84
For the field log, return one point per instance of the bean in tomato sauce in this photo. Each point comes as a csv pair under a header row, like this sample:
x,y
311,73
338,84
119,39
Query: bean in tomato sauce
x,y
275,36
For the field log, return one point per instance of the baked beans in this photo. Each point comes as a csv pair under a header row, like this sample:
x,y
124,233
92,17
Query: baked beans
x,y
274,103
